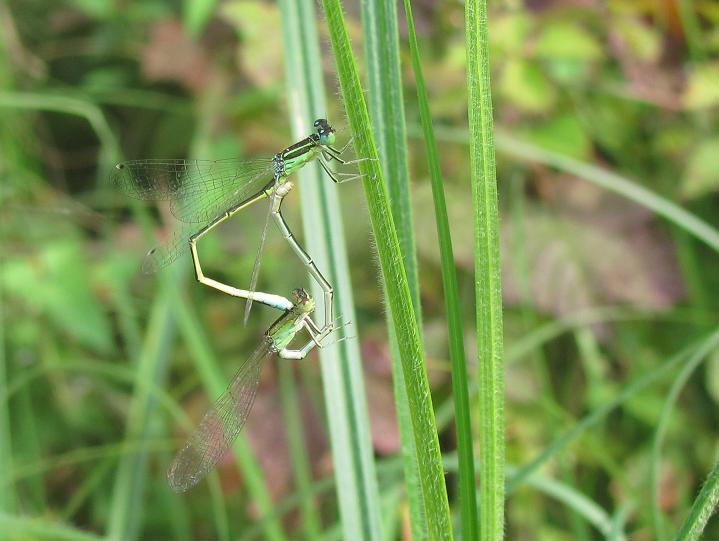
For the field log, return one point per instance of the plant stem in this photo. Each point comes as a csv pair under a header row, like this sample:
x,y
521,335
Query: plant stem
x,y
433,489
702,508
488,288
342,378
460,392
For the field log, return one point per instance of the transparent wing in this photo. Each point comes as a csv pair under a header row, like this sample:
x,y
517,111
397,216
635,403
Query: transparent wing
x,y
198,190
256,266
162,255
219,427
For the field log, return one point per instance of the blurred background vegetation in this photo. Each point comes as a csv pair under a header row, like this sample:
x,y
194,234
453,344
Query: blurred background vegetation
x,y
599,290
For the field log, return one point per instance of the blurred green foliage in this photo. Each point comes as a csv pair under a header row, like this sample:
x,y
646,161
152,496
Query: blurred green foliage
x,y
630,86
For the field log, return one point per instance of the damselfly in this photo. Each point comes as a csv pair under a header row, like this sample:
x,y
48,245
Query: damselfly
x,y
225,419
203,194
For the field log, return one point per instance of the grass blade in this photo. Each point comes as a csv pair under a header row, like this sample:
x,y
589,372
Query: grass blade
x,y
488,290
341,364
215,382
109,149
431,474
611,181
291,409
127,501
702,508
18,528
697,350
659,433
381,40
7,494
386,103
460,390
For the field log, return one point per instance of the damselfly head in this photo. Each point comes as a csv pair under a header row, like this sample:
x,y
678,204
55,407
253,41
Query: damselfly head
x,y
302,298
325,131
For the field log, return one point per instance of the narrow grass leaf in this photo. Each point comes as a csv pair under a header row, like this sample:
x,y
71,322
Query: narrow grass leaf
x,y
697,350
15,528
460,390
616,183
381,42
702,509
342,377
291,409
386,103
488,287
609,180
7,493
659,433
109,148
429,460
127,501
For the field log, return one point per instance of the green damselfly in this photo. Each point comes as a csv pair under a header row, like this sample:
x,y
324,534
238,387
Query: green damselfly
x,y
225,419
204,193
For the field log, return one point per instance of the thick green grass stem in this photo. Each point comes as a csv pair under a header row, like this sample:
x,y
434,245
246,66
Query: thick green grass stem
x,y
460,391
386,101
702,508
488,288
341,362
429,460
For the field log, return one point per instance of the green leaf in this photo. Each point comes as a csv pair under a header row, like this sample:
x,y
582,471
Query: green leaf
x,y
196,14
642,40
702,90
562,133
509,33
101,9
260,55
678,383
566,40
523,84
701,175
16,528
57,283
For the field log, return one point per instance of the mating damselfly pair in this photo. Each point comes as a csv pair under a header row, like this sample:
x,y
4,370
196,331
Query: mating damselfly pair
x,y
203,194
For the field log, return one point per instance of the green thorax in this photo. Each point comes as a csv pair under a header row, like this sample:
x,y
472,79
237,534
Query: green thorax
x,y
284,330
296,156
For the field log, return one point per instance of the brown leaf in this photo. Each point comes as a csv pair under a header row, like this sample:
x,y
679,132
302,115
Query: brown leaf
x,y
584,247
592,247
171,55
